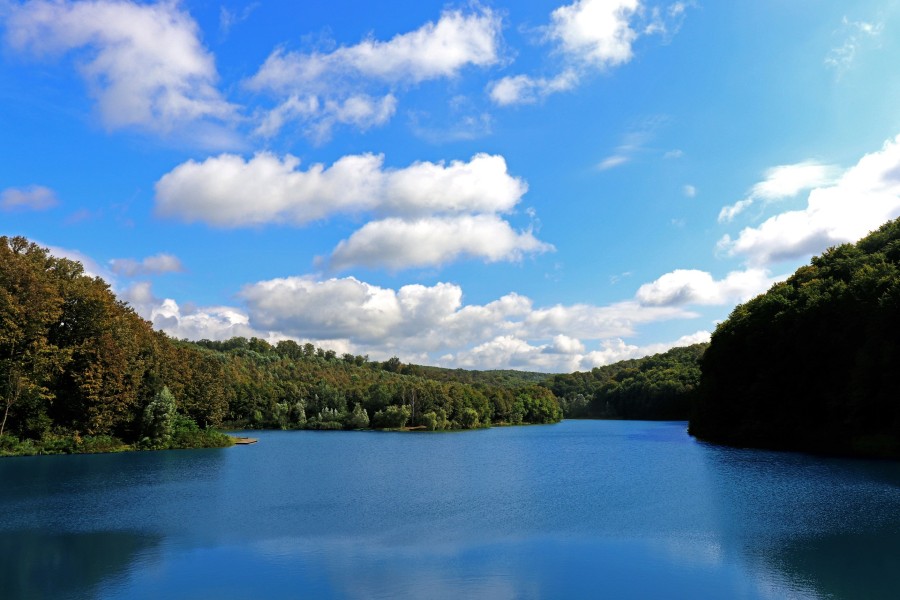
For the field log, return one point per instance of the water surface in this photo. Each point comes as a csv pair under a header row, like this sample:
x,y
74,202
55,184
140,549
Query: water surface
x,y
580,509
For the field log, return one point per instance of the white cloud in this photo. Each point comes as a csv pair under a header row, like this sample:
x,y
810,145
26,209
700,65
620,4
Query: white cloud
x,y
152,265
348,308
510,352
33,197
434,241
596,32
523,89
429,324
783,181
320,116
590,35
690,286
336,79
144,63
417,319
227,191
616,350
613,161
689,191
728,213
864,197
586,321
435,50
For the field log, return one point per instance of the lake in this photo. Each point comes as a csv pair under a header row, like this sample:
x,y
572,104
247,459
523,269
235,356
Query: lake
x,y
581,509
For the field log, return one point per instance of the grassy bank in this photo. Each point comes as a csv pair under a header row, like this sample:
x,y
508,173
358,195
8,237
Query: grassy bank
x,y
77,444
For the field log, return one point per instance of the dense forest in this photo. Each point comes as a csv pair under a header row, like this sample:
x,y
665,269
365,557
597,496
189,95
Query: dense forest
x,y
658,387
812,365
80,371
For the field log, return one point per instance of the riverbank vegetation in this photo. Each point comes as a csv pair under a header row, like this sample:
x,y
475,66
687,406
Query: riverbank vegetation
x,y
80,371
812,364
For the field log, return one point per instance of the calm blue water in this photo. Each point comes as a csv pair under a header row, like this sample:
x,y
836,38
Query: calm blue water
x,y
589,509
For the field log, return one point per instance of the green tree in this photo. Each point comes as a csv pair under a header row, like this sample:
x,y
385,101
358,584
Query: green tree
x,y
359,418
159,419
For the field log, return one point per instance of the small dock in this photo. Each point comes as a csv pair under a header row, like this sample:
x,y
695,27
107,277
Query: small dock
x,y
243,441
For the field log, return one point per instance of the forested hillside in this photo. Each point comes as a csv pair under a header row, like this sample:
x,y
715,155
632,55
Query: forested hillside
x,y
812,364
658,387
81,371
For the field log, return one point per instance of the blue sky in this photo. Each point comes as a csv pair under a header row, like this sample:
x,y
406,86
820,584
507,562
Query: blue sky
x,y
537,185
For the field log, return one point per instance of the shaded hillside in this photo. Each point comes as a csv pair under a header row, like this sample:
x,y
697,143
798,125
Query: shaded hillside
x,y
812,364
658,387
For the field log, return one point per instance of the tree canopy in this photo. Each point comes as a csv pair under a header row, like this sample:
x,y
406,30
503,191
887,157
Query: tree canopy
x,y
658,387
812,364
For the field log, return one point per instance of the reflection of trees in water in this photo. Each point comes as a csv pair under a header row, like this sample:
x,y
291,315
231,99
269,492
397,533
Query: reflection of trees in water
x,y
828,526
63,565
845,566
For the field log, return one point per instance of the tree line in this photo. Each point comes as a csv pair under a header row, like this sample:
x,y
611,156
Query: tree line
x,y
658,387
81,371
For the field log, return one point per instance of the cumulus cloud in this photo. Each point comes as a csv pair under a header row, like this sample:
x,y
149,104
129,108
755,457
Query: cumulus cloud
x,y
427,319
617,349
428,213
859,201
211,322
690,286
152,265
144,63
510,352
348,308
590,35
430,324
781,182
228,191
434,241
595,32
33,197
331,82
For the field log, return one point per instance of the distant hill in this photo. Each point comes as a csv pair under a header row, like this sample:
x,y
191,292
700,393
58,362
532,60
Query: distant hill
x,y
658,387
813,364
508,378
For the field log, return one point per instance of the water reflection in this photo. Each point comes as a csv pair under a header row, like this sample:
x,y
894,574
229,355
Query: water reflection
x,y
825,524
41,564
586,509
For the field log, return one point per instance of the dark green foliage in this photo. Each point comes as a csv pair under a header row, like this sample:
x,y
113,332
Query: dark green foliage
x,y
811,365
658,387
